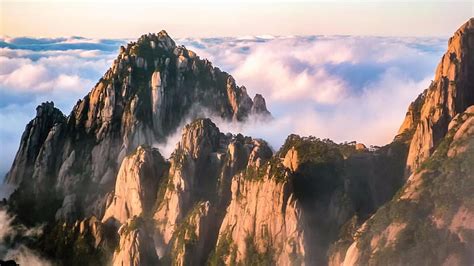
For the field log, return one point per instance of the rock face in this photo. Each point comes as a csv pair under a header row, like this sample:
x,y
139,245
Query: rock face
x,y
136,246
262,224
195,163
198,188
83,242
430,219
432,215
136,185
190,246
337,184
451,92
32,140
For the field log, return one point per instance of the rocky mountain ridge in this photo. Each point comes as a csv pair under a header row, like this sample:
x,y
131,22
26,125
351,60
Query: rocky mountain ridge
x,y
150,89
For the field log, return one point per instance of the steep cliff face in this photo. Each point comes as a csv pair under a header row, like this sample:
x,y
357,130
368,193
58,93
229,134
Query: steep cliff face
x,y
450,93
151,87
136,185
136,245
431,220
194,236
33,138
335,184
198,189
262,224
195,166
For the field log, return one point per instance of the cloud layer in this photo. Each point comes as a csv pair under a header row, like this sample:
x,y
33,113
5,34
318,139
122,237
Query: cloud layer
x,y
340,87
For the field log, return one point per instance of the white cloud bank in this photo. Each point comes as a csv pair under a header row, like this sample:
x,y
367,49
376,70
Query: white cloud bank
x,y
339,87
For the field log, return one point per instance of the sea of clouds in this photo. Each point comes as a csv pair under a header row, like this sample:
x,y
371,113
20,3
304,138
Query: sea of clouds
x,y
340,87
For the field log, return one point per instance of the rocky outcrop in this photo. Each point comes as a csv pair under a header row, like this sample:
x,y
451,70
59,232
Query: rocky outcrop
x,y
259,106
291,159
136,245
136,185
191,244
33,138
432,214
429,219
450,93
263,222
194,163
201,170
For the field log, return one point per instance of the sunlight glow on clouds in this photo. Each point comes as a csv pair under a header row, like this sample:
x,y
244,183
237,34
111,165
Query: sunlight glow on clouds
x,y
340,87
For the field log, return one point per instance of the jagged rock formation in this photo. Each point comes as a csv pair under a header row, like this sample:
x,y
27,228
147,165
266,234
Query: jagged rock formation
x,y
262,223
197,155
136,185
136,245
32,140
198,188
150,88
431,220
450,93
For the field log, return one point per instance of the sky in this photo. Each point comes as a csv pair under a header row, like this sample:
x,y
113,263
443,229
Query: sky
x,y
130,19
340,70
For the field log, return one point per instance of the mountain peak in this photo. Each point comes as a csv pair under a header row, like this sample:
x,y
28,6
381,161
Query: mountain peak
x,y
200,137
152,86
467,27
450,93
33,138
